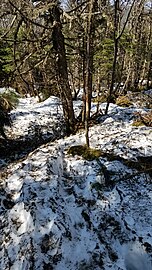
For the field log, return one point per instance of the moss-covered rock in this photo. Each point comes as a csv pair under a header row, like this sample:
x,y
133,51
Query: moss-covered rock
x,y
84,151
100,99
137,123
123,101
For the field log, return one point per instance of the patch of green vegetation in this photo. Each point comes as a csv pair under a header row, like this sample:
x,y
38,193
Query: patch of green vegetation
x,y
138,123
100,99
84,151
123,101
9,99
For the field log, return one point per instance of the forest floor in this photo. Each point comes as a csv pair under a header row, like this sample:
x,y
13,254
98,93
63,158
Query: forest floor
x,y
63,212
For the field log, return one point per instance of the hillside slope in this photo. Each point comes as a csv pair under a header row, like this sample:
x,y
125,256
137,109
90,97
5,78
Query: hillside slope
x,y
62,212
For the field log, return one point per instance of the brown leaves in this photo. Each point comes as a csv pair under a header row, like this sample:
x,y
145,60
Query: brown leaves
x,y
143,118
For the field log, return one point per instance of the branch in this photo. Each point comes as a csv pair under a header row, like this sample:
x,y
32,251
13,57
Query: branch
x,y
77,7
11,25
14,51
124,26
27,18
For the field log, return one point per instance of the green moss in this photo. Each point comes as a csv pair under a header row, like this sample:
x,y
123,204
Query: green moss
x,y
138,123
123,101
100,99
85,152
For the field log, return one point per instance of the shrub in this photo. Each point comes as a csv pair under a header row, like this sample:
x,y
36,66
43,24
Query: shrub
x,y
8,99
4,121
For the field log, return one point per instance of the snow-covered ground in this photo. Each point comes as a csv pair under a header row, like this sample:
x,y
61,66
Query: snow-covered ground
x,y
29,115
65,213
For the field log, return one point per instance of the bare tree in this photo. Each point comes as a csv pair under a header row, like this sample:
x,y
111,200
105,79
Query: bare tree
x,y
90,34
38,25
119,28
61,68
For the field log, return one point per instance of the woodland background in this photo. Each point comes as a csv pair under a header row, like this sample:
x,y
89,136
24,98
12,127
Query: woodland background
x,y
58,48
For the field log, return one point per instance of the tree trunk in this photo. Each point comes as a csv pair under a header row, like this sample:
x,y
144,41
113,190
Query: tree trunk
x,y
62,73
84,81
98,91
116,43
89,64
113,74
117,37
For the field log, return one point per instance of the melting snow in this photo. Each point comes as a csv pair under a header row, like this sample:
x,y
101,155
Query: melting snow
x,y
62,212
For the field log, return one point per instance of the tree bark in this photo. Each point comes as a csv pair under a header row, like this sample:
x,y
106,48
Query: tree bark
x,y
89,64
62,73
117,37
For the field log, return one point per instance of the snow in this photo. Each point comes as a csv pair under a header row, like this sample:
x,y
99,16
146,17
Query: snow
x,y
65,213
137,259
8,89
32,117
